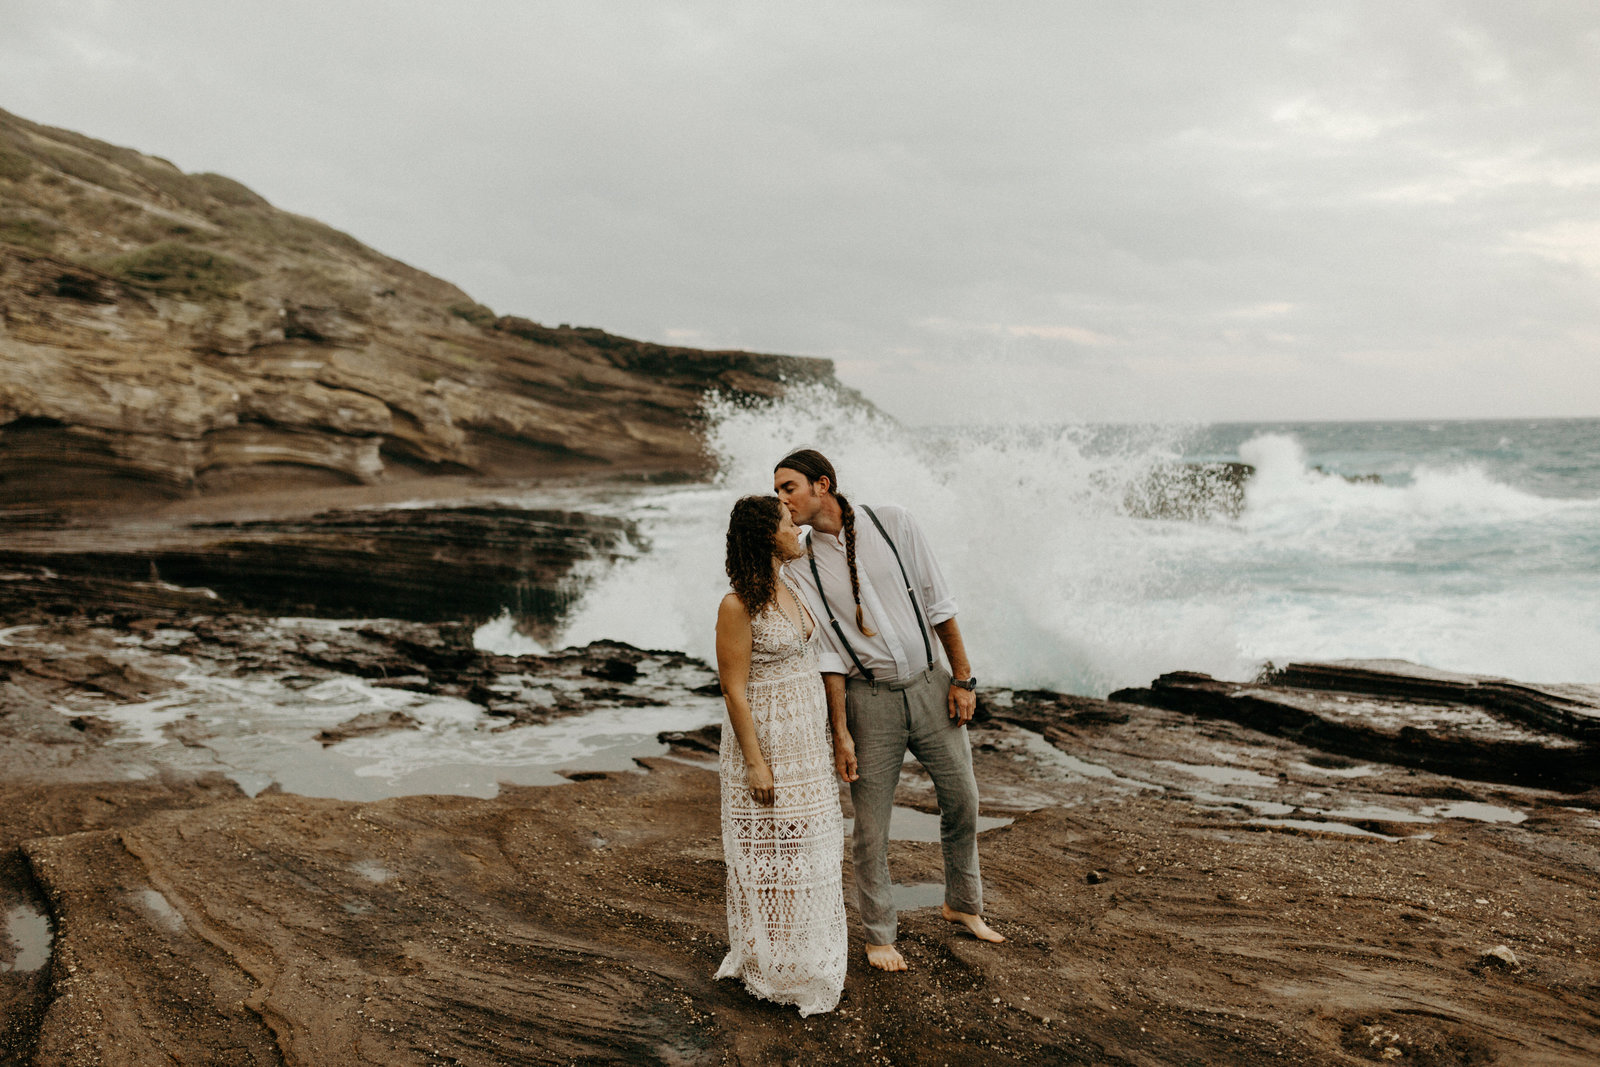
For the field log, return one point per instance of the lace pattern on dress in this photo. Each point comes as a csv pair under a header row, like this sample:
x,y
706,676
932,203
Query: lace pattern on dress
x,y
786,919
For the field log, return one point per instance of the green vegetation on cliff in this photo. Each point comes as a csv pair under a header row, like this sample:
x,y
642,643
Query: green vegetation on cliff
x,y
180,268
164,333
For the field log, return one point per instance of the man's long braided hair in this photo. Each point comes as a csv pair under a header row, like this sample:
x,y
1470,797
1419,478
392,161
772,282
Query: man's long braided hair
x,y
814,465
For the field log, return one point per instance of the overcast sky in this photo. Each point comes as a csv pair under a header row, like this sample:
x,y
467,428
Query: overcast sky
x,y
1049,211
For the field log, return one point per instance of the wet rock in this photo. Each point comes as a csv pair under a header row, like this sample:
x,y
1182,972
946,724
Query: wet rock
x,y
614,670
367,724
1404,714
1188,491
93,726
707,739
1570,710
1042,709
1498,958
588,917
424,564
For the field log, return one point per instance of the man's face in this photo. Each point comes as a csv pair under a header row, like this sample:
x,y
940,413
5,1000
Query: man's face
x,y
799,494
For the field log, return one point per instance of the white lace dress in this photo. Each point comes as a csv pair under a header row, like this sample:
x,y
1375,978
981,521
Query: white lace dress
x,y
786,924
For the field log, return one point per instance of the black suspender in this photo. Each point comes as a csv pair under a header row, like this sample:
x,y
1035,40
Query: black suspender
x,y
816,577
922,626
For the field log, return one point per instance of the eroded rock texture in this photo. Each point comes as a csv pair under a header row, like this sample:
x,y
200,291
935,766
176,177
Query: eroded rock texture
x,y
1471,726
427,563
163,334
1176,888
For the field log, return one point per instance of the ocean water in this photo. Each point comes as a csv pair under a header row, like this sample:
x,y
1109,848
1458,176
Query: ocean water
x,y
1471,546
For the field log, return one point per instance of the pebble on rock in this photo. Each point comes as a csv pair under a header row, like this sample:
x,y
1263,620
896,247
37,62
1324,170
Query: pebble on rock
x,y
1500,956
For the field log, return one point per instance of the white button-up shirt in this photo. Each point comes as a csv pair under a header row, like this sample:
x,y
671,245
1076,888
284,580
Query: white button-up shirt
x,y
896,649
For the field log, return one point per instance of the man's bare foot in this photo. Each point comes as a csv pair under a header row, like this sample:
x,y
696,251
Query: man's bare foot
x,y
975,923
886,958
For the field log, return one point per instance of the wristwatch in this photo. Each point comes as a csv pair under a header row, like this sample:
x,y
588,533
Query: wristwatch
x,y
969,684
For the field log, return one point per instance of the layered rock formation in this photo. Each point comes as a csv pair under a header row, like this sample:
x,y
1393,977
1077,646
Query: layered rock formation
x,y
163,333
423,563
1470,726
1175,889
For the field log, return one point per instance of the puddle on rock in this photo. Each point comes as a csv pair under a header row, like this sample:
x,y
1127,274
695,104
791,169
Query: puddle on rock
x,y
1362,771
372,871
1217,774
159,908
1472,809
1047,752
1324,827
1260,807
29,931
918,895
909,824
1371,812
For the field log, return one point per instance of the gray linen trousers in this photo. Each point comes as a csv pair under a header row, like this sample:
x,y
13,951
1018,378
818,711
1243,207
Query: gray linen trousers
x,y
885,719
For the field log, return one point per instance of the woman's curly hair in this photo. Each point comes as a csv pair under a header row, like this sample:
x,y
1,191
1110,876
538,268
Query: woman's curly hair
x,y
752,543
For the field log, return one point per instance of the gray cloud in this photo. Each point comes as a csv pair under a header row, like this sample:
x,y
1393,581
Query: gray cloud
x,y
1154,210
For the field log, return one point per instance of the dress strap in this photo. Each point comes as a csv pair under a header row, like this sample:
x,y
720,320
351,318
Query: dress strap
x,y
800,603
922,626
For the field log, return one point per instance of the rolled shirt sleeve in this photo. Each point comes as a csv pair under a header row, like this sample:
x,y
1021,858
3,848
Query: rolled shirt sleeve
x,y
828,661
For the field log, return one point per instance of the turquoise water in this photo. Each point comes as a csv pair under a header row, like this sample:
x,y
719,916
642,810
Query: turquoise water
x,y
1547,457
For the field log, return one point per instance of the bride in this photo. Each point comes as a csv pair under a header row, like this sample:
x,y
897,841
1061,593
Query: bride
x,y
782,832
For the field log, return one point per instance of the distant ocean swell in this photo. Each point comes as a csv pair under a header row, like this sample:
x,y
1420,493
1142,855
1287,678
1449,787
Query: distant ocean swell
x,y
1064,584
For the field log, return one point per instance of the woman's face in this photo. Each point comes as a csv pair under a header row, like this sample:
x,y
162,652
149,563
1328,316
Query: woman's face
x,y
787,542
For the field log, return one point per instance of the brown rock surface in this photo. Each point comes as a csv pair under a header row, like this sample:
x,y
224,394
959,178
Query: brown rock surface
x,y
1253,900
163,334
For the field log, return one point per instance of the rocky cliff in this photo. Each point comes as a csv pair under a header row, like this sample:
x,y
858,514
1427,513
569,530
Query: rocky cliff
x,y
164,333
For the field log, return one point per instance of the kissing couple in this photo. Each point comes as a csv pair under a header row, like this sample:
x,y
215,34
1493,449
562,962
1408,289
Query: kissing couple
x,y
826,654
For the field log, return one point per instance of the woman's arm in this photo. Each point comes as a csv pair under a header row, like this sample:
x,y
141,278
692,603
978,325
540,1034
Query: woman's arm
x,y
733,670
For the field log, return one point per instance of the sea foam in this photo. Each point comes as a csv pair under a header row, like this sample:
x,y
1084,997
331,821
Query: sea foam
x,y
1061,587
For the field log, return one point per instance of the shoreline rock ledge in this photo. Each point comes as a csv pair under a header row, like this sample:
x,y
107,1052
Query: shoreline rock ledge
x,y
1176,887
1466,725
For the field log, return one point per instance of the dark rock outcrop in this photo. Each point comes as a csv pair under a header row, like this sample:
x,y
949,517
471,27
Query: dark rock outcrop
x,y
1188,491
1569,710
424,563
1467,726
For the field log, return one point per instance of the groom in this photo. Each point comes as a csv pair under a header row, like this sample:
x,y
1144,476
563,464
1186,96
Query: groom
x,y
874,587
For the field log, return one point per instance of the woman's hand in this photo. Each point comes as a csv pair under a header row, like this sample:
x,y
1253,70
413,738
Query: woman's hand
x,y
760,777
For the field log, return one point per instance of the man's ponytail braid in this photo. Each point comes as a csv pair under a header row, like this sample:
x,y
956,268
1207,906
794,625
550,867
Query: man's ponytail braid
x,y
847,517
